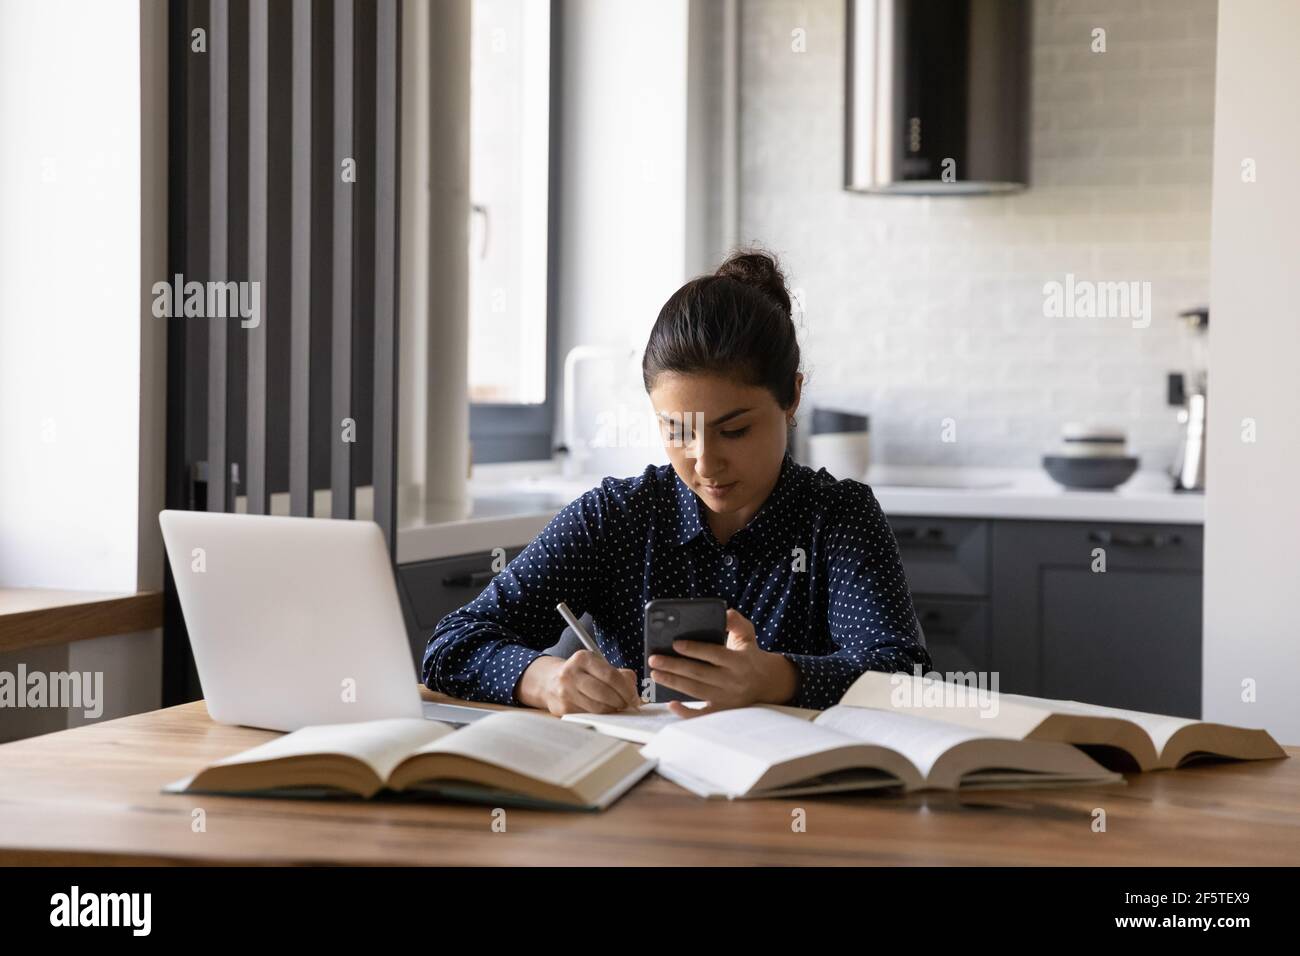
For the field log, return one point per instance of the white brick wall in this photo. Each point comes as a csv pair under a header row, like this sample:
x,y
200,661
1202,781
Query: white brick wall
x,y
920,309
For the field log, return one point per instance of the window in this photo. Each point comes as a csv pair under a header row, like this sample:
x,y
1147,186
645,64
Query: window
x,y
510,121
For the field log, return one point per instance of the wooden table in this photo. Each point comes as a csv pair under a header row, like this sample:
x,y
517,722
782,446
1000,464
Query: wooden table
x,y
91,795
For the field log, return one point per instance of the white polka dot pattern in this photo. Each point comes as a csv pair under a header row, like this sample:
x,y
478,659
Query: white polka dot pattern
x,y
842,610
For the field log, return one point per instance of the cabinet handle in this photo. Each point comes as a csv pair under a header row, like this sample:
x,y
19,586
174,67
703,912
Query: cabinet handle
x,y
930,535
470,579
1156,540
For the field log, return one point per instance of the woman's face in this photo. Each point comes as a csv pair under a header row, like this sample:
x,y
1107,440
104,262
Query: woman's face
x,y
725,439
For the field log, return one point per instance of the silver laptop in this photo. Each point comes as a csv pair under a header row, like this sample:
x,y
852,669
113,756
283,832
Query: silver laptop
x,y
294,621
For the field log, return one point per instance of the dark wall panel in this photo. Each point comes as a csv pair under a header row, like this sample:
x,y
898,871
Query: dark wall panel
x,y
261,121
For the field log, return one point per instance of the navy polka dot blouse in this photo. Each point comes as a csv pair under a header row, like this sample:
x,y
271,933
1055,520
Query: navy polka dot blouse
x,y
816,570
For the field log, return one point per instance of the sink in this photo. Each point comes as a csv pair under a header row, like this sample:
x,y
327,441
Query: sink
x,y
507,502
550,486
502,504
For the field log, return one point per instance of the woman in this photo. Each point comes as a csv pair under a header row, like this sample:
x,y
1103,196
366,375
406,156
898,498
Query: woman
x,y
807,564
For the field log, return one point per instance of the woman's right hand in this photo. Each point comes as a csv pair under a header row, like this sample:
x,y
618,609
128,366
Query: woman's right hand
x,y
585,683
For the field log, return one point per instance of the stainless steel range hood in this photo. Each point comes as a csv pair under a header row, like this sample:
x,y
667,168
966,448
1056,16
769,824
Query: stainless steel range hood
x,y
937,96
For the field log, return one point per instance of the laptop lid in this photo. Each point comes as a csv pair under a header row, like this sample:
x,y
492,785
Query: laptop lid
x,y
293,621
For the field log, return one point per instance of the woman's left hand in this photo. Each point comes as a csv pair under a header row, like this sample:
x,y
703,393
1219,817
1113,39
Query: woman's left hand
x,y
737,675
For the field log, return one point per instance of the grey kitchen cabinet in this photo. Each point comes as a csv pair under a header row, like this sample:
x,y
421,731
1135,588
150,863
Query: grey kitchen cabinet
x,y
1021,598
430,590
1128,636
948,556
956,632
946,561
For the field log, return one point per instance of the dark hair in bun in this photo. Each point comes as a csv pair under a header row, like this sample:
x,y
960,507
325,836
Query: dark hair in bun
x,y
735,322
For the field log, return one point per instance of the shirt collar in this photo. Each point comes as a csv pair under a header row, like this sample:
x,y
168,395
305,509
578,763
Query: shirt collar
x,y
691,524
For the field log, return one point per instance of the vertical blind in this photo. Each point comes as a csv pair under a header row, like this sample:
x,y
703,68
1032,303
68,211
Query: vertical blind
x,y
284,173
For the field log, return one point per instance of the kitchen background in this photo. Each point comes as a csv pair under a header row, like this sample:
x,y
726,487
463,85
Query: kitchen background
x,y
914,309
550,203
605,153
685,129
919,309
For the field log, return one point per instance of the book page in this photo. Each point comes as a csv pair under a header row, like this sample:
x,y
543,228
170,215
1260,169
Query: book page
x,y
987,712
734,749
760,732
534,745
382,744
920,739
1009,714
853,779
1158,726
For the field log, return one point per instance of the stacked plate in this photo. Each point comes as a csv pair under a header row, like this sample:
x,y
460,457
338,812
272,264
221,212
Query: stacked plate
x,y
1091,456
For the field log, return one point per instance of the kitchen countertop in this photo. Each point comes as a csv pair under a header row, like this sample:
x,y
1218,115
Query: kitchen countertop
x,y
509,504
1029,493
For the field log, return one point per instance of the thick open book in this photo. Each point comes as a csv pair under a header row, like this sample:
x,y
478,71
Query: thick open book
x,y
507,758
1118,738
752,752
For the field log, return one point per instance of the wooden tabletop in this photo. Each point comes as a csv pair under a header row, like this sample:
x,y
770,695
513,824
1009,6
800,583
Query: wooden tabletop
x,y
91,795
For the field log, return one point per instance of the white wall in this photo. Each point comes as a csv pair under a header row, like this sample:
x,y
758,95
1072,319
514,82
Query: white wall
x,y
1252,528
622,205
920,308
82,233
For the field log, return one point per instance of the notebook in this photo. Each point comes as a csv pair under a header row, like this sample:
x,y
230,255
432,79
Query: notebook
x,y
640,725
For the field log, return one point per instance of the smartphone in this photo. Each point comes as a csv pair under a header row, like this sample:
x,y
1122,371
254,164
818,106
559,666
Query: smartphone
x,y
674,619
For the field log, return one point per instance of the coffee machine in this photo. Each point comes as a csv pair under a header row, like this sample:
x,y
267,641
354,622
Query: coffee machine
x,y
1188,394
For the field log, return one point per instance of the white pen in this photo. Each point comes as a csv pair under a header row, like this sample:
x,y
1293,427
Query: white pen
x,y
581,631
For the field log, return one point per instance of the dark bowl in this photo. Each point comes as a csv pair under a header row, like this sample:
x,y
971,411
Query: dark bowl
x,y
1095,473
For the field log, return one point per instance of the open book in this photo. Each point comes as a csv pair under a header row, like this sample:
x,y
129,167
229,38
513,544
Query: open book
x,y
508,757
1151,741
752,752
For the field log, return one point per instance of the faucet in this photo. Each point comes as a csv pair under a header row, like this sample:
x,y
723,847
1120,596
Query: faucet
x,y
575,447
